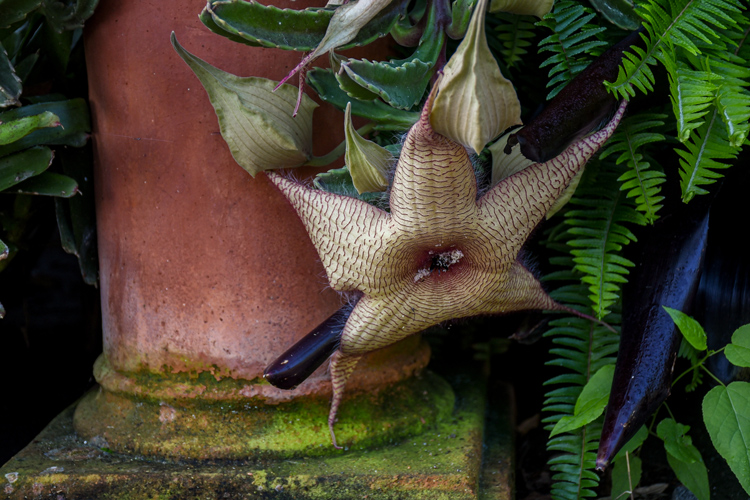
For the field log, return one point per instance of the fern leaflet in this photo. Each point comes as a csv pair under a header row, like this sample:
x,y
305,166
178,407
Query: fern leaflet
x,y
514,33
640,181
582,348
682,23
692,92
733,99
698,164
573,42
598,237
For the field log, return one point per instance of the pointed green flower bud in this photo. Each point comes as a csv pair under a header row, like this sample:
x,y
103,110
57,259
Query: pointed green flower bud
x,y
255,121
476,103
368,163
536,8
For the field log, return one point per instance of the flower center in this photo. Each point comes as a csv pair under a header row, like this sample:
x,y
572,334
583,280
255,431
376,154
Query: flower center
x,y
439,262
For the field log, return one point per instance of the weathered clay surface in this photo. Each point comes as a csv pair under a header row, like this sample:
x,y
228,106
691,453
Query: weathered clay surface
x,y
204,269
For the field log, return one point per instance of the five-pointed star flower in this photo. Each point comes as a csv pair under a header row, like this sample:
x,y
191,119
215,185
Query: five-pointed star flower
x,y
441,253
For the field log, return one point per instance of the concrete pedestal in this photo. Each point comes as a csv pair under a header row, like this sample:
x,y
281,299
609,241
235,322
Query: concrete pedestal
x,y
466,455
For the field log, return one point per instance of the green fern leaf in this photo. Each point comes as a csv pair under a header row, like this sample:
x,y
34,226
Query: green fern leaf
x,y
514,34
698,163
691,91
639,181
733,98
682,23
599,235
573,42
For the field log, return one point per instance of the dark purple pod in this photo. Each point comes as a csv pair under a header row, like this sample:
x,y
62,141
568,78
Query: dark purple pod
x,y
580,108
299,361
667,274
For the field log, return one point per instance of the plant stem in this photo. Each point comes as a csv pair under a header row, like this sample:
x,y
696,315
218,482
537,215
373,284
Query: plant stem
x,y
335,153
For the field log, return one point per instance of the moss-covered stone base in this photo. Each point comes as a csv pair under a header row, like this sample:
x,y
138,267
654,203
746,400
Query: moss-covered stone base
x,y
444,462
234,430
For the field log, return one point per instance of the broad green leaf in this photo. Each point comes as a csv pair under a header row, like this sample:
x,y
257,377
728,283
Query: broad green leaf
x,y
726,413
402,83
367,162
536,8
623,478
618,12
3,254
255,121
738,352
475,102
10,83
258,25
386,117
74,128
48,184
691,329
20,166
591,402
16,129
677,442
633,443
693,475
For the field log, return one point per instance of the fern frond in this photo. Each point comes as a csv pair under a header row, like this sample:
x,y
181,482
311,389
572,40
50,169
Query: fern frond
x,y
599,234
639,180
733,98
514,33
692,92
681,23
581,349
573,42
698,163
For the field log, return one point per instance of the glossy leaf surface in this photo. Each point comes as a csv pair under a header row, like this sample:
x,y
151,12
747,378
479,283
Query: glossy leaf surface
x,y
738,352
48,184
290,29
74,121
690,329
590,403
16,129
726,413
21,166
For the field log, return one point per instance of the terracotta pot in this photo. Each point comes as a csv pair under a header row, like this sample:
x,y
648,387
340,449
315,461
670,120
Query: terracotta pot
x,y
206,273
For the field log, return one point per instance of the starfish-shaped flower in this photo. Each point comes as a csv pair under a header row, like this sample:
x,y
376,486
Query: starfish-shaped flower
x,y
441,253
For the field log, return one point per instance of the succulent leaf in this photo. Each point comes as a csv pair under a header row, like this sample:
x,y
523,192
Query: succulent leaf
x,y
324,83
259,25
402,83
